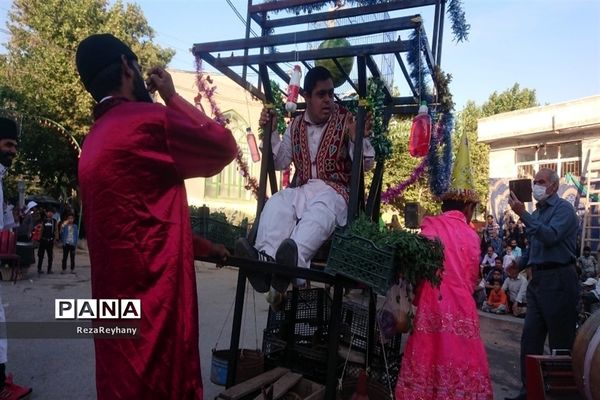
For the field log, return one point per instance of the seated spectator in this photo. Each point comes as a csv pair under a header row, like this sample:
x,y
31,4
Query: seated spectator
x,y
587,264
496,274
508,258
515,250
496,302
515,287
496,243
490,226
590,294
489,260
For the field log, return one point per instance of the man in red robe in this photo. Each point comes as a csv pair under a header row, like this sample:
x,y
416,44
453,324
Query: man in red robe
x,y
131,173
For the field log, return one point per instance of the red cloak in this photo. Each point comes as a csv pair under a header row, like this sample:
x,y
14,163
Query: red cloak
x,y
131,173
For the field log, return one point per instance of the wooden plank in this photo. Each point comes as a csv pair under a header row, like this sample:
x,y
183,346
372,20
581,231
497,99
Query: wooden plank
x,y
344,31
406,75
427,52
316,54
377,74
344,13
251,385
283,385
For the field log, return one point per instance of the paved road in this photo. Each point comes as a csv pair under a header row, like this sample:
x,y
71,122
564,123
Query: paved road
x,y
63,369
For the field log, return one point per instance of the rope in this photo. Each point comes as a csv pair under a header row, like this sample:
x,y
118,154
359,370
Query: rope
x,y
224,323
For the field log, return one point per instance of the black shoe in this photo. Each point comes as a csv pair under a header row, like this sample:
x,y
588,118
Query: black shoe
x,y
287,254
50,272
261,282
40,272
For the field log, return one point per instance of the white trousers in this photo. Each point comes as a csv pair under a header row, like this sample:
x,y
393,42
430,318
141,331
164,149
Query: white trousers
x,y
307,214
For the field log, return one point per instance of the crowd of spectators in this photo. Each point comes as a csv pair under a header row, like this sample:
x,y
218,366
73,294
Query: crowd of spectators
x,y
504,278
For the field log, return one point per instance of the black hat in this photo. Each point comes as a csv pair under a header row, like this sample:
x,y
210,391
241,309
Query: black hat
x,y
97,52
8,129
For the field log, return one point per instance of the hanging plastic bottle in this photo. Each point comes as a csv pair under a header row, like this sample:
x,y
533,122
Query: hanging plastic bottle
x,y
254,153
360,393
420,133
293,89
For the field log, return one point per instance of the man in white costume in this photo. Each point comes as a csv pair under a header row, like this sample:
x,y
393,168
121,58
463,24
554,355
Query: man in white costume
x,y
296,221
8,150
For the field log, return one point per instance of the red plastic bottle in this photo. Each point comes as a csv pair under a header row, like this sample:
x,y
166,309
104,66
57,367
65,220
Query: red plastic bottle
x,y
420,133
254,153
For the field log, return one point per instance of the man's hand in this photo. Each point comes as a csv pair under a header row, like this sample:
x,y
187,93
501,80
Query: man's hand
x,y
161,81
351,126
516,205
268,114
219,251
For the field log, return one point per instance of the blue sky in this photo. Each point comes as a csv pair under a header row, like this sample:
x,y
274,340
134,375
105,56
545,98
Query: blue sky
x,y
552,46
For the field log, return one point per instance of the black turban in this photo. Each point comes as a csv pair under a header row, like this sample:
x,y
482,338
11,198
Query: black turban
x,y
97,52
8,129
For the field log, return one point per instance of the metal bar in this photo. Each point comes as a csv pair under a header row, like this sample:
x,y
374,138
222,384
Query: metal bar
x,y
267,160
436,24
316,54
377,74
280,5
346,13
232,75
334,338
357,161
406,75
343,31
371,327
274,268
248,23
279,72
427,51
375,187
236,328
438,58
346,76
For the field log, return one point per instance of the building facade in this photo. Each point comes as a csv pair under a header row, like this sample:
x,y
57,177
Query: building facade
x,y
564,137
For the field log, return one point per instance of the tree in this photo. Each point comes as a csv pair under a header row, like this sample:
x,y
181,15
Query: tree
x,y
511,99
40,67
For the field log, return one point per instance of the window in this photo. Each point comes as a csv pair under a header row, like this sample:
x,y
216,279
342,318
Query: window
x,y
564,158
229,184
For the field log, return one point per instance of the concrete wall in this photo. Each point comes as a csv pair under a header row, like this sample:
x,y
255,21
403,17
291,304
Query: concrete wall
x,y
502,163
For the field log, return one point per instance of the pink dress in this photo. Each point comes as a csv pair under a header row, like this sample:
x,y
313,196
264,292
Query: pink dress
x,y
444,356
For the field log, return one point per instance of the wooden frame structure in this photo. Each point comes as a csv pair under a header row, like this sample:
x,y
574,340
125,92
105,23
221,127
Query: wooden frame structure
x,y
265,55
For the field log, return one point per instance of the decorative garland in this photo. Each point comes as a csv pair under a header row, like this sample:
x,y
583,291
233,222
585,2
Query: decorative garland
x,y
438,166
455,12
418,66
206,89
279,107
375,104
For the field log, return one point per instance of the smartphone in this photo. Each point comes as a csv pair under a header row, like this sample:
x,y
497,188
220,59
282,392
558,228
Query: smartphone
x,y
521,188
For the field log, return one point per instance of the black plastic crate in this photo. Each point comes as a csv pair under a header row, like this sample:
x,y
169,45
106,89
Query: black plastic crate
x,y
354,335
299,340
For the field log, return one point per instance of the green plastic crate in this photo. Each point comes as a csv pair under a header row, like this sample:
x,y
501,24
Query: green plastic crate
x,y
218,231
361,260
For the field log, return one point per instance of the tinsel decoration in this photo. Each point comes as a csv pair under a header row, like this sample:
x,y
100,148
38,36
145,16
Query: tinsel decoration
x,y
206,89
375,104
460,28
418,66
440,165
455,12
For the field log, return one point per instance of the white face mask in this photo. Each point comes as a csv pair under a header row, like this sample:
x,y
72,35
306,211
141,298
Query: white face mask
x,y
539,192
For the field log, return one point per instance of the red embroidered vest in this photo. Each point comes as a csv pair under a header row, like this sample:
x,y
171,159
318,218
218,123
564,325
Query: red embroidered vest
x,y
334,165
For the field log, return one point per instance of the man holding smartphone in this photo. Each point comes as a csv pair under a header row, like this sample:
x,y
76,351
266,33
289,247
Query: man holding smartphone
x,y
552,293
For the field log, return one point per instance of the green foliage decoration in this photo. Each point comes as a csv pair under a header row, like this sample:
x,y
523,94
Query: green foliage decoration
x,y
375,104
416,257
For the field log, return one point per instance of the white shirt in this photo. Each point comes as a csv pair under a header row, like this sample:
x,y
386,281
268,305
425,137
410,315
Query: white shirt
x,y
516,288
282,149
